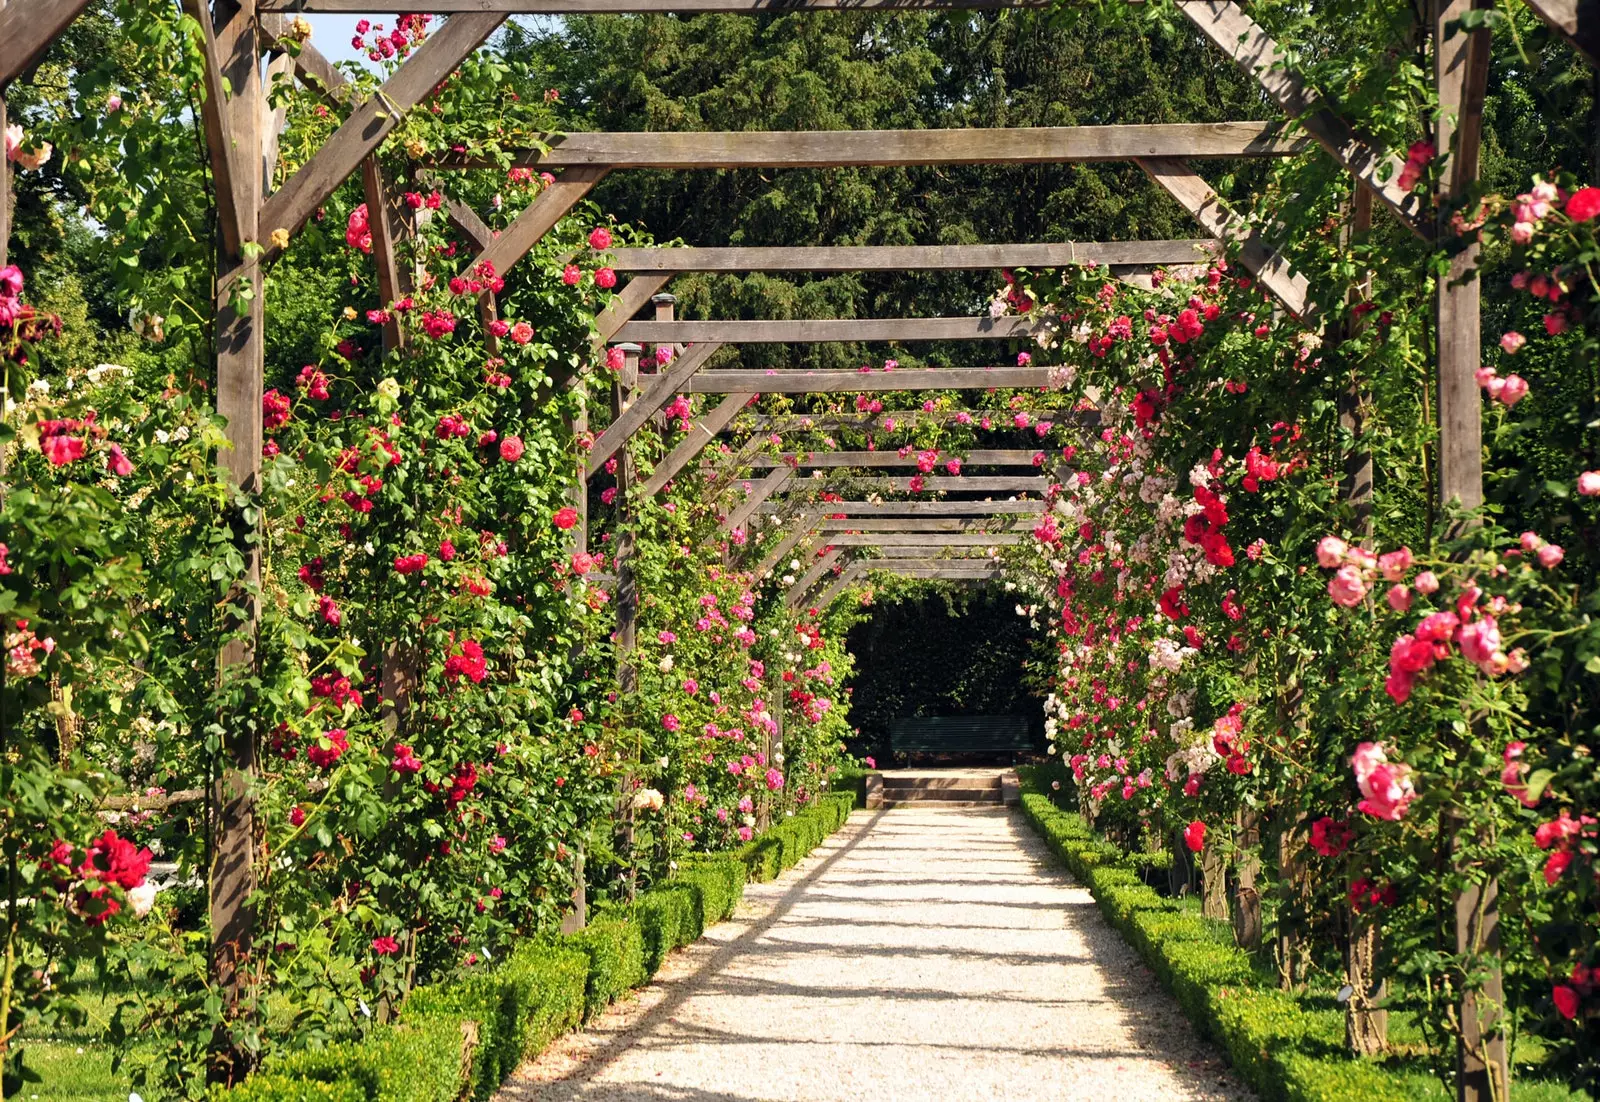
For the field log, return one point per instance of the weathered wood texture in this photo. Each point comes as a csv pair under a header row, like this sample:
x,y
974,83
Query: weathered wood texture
x,y
919,508
982,457
845,148
1010,484
836,588
771,484
791,540
230,161
385,237
926,524
829,422
1241,38
894,258
240,350
537,219
27,27
863,382
1207,207
1577,21
370,122
628,302
804,583
638,409
702,432
826,329
926,541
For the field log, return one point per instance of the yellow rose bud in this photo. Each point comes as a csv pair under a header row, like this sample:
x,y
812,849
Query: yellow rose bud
x,y
279,238
349,313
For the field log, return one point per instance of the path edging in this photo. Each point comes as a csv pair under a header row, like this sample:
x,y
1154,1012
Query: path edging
x,y
1275,1046
465,1038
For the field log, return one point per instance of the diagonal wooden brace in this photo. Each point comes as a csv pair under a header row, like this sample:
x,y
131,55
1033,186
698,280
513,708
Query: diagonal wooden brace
x,y
655,395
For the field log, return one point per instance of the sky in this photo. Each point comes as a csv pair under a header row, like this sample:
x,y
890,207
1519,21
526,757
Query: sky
x,y
331,34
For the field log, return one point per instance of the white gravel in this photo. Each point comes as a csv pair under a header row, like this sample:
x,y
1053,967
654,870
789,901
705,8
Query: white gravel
x,y
936,953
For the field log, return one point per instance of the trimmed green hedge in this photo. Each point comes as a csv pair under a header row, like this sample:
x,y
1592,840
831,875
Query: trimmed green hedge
x,y
1284,1052
545,988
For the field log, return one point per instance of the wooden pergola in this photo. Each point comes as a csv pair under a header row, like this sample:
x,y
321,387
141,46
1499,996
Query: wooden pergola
x,y
240,34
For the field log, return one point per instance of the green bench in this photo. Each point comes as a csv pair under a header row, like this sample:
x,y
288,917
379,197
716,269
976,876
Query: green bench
x,y
961,736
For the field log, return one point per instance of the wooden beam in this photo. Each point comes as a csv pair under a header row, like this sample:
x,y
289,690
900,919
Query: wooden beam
x,y
803,584
685,7
826,598
638,410
847,148
861,382
925,524
978,484
934,568
370,122
229,162
240,347
27,27
830,422
628,302
1241,38
381,223
775,480
536,220
924,541
980,457
701,433
1207,207
827,329
788,543
920,508
894,258
1577,21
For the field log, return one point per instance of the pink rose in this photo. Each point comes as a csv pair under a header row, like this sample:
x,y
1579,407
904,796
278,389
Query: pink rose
x,y
1399,598
1589,484
1331,551
1346,587
1511,342
1394,564
1427,583
1515,389
1550,556
511,449
1480,640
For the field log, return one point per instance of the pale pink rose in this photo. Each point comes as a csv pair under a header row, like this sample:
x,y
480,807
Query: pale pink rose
x,y
1484,376
1368,756
1511,342
1530,541
1331,551
1517,660
1394,564
1522,232
1479,640
1589,483
1427,583
1387,790
1346,587
1399,598
1362,559
1550,556
113,103
1514,391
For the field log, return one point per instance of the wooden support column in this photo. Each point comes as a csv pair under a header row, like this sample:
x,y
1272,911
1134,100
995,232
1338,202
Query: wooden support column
x,y
1461,67
381,220
233,128
627,598
5,184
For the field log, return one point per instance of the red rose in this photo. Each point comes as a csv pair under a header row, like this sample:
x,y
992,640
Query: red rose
x,y
1194,836
1584,204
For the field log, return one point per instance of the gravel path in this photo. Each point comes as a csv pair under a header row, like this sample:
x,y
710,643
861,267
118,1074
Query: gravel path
x,y
932,953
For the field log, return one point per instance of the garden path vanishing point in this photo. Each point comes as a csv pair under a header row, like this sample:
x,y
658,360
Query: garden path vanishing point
x,y
936,953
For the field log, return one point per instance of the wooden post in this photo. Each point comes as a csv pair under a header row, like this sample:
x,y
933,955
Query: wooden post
x,y
664,304
1461,64
239,339
381,219
1246,896
627,599
1214,877
5,186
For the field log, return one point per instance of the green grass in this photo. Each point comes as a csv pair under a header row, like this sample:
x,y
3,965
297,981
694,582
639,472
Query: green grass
x,y
72,1072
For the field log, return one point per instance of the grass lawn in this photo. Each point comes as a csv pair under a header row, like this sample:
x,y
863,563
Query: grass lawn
x,y
73,1072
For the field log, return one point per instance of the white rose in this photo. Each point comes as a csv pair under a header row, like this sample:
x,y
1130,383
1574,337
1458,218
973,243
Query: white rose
x,y
389,388
142,898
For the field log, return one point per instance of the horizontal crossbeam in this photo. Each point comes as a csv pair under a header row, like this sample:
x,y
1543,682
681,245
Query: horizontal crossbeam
x,y
882,148
829,422
862,382
925,524
881,258
915,508
807,330
1001,457
923,542
977,484
27,27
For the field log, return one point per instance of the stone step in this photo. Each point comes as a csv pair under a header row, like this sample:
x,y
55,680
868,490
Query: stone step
x,y
892,783
995,802
973,794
